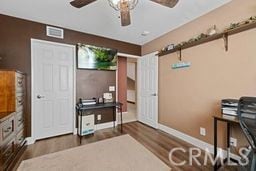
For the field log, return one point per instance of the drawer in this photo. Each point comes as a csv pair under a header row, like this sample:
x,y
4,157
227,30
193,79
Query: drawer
x,y
20,82
19,100
20,138
8,151
7,128
19,120
3,102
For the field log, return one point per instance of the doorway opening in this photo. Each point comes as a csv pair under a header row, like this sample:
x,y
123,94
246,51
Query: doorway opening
x,y
132,88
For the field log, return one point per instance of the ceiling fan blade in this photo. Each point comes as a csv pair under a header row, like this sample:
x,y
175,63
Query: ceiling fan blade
x,y
81,3
167,3
125,13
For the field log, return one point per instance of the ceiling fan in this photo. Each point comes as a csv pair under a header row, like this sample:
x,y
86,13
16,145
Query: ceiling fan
x,y
124,6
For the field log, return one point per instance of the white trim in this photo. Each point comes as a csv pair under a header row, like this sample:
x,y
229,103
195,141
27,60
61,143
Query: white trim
x,y
138,89
104,125
130,120
32,139
110,124
53,43
75,131
185,137
74,91
125,120
117,87
157,76
195,142
127,55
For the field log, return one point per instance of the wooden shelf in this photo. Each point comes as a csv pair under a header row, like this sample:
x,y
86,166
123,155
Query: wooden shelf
x,y
224,35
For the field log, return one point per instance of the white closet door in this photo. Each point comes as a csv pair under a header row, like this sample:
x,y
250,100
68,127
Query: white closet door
x,y
53,89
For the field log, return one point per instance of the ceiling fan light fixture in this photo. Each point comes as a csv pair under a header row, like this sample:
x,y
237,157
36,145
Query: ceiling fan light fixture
x,y
116,4
124,7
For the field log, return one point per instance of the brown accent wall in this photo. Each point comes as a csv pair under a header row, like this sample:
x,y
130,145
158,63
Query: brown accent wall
x,y
15,35
188,98
93,83
122,81
90,83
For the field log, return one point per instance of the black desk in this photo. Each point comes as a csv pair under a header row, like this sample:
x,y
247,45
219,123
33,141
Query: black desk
x,y
115,105
229,121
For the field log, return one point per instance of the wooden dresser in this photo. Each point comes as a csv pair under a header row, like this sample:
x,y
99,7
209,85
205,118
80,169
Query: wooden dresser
x,y
12,120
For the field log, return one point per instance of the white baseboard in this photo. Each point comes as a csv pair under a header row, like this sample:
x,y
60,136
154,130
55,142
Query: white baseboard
x,y
122,112
30,140
110,124
104,125
126,120
75,131
129,120
196,142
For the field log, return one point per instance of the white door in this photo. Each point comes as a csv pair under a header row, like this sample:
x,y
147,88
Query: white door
x,y
148,90
52,83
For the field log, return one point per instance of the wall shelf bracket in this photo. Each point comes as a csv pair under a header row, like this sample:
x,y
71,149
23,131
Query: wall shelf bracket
x,y
225,38
180,55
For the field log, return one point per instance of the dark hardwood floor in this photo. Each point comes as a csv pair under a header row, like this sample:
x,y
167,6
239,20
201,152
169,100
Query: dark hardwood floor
x,y
156,141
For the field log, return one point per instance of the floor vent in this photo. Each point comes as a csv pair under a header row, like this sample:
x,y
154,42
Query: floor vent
x,y
54,32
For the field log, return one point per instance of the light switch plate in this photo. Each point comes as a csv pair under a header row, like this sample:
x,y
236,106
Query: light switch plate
x,y
202,131
233,141
112,88
98,117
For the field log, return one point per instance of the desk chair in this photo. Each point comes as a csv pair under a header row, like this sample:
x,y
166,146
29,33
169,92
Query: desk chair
x,y
247,120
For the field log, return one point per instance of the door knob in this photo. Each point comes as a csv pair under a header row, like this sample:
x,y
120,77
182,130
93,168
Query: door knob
x,y
39,96
154,94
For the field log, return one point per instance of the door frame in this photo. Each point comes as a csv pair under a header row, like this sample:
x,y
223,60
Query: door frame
x,y
139,84
125,55
31,140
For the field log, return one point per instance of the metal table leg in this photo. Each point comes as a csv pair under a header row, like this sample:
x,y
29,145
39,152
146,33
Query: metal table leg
x,y
114,111
81,122
77,122
228,143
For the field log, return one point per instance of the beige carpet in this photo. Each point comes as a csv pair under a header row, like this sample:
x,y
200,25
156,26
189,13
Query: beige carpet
x,y
121,153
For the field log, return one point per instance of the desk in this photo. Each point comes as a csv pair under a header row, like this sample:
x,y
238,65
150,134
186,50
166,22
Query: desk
x,y
229,121
115,105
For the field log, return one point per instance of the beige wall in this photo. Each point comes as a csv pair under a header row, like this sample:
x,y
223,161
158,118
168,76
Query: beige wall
x,y
234,11
188,98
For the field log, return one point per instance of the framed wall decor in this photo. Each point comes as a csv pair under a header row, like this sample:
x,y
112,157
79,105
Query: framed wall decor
x,y
96,58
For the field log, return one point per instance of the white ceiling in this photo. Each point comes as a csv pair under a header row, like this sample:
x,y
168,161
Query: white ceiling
x,y
100,19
